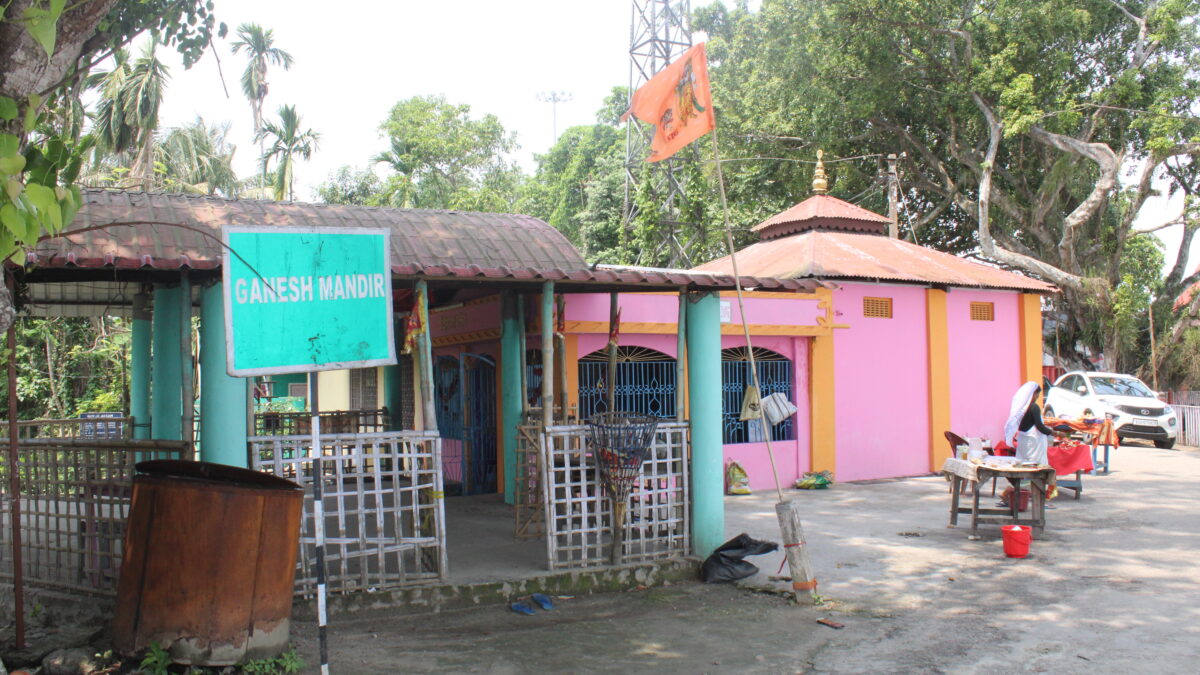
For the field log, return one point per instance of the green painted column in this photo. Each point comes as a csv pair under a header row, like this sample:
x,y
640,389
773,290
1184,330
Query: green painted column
x,y
222,398
511,393
139,367
393,383
166,412
704,408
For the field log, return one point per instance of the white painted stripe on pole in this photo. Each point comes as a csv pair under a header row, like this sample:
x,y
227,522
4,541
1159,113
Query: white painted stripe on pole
x,y
321,604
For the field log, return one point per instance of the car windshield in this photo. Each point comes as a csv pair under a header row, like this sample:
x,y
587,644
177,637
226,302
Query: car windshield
x,y
1120,386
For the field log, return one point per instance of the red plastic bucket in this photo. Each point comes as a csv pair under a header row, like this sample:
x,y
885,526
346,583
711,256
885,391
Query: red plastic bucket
x,y
1016,540
1023,503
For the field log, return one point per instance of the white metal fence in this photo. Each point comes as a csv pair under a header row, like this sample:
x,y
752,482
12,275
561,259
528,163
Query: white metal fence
x,y
75,497
578,517
1189,424
385,519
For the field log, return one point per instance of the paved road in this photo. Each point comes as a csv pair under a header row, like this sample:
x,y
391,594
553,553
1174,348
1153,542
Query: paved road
x,y
1112,587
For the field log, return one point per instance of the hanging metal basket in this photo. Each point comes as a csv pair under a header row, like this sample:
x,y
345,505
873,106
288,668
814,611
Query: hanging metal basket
x,y
625,435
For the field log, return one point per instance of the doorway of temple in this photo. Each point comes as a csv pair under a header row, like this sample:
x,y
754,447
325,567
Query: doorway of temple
x,y
465,395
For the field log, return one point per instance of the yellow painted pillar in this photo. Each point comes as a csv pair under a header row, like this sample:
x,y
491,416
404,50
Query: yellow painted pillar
x,y
1030,319
572,349
938,336
823,429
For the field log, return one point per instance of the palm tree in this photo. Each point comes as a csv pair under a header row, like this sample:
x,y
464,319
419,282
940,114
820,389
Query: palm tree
x,y
126,117
259,46
287,142
197,158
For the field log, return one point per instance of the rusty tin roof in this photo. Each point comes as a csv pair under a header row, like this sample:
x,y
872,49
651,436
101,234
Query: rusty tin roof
x,y
124,230
849,255
821,211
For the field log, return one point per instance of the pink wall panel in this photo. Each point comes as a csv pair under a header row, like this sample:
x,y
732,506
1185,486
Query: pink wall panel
x,y
882,392
985,361
791,457
664,308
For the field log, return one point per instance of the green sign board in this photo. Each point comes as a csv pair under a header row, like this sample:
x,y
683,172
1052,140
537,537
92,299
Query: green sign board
x,y
302,299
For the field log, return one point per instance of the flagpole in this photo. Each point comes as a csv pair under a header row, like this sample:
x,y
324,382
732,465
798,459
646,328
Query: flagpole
x,y
795,548
737,285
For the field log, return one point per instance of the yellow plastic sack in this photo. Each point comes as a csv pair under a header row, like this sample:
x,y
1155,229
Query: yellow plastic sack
x,y
737,481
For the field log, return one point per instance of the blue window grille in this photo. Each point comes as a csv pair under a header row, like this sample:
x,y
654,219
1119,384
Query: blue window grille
x,y
645,383
774,374
465,403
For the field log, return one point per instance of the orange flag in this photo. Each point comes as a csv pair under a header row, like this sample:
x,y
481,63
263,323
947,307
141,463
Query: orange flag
x,y
678,102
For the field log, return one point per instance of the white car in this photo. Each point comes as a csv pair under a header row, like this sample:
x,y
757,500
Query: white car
x,y
1137,412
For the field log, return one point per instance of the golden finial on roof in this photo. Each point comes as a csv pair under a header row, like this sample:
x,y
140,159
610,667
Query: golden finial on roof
x,y
820,184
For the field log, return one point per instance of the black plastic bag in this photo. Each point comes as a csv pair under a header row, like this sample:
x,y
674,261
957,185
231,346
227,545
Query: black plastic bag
x,y
727,564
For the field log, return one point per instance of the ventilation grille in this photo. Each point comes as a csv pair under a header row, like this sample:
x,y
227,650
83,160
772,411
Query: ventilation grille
x,y
877,308
983,311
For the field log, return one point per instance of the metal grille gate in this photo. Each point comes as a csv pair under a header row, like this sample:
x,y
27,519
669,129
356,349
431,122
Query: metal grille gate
x,y
465,392
646,386
775,376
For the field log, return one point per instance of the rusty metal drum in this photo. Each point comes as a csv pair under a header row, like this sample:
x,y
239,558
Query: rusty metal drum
x,y
210,563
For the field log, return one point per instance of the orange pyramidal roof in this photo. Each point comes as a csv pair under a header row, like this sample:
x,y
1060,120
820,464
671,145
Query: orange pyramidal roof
x,y
822,212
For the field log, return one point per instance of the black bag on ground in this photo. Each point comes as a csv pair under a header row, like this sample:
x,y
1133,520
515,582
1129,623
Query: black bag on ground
x,y
727,564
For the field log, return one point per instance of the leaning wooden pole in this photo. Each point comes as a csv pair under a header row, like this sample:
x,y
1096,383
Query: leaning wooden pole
x,y
14,481
788,513
611,397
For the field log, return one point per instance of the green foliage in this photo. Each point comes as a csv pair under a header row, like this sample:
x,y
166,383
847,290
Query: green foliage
x,y
350,186
68,366
288,142
197,159
444,159
37,175
157,661
287,662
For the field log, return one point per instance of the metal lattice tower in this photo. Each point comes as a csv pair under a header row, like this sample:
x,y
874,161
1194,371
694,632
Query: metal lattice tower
x,y
660,32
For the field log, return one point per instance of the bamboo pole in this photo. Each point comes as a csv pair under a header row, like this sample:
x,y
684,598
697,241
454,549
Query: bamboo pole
x,y
560,352
680,352
14,481
788,513
547,354
612,353
524,357
425,357
186,371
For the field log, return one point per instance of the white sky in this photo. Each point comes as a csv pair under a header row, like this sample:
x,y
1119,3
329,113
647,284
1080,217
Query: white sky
x,y
355,59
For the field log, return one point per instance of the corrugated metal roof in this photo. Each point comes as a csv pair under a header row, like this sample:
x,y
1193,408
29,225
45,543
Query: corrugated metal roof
x,y
821,211
139,230
848,255
169,231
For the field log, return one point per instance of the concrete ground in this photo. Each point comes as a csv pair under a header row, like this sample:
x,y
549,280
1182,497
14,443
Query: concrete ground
x,y
1113,586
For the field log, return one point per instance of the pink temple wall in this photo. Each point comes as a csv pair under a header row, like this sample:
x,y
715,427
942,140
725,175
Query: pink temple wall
x,y
791,457
985,361
882,393
664,308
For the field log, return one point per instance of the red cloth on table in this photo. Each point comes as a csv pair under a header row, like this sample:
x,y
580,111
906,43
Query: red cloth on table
x,y
1003,449
1070,457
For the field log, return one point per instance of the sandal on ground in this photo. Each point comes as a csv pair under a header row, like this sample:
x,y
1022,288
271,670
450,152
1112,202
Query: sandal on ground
x,y
521,608
543,601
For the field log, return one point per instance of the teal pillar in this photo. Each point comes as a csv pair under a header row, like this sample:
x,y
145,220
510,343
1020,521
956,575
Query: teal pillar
x,y
704,408
139,367
166,413
222,398
511,394
393,383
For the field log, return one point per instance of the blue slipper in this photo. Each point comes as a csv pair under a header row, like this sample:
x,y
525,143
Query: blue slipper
x,y
543,601
521,608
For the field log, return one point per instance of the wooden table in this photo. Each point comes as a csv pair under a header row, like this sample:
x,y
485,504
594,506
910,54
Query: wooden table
x,y
962,471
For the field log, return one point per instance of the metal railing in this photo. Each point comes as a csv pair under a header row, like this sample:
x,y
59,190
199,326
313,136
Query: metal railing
x,y
74,427
1189,424
385,520
75,497
333,421
578,515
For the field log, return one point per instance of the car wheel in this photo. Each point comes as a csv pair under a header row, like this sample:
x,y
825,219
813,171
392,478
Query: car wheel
x,y
1165,445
